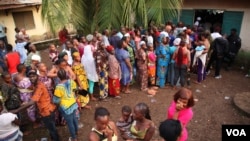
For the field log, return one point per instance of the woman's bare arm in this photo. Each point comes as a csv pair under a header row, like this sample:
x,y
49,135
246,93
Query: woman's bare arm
x,y
52,72
150,132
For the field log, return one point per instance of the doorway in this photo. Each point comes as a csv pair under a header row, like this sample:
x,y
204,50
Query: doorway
x,y
209,18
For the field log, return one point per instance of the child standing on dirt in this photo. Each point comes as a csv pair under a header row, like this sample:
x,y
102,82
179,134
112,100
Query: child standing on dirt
x,y
125,122
180,109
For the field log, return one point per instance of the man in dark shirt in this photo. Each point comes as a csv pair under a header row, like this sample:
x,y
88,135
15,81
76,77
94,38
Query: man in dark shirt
x,y
234,46
219,48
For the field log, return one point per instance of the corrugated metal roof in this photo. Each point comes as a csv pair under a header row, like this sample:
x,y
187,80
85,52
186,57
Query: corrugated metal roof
x,y
7,2
12,4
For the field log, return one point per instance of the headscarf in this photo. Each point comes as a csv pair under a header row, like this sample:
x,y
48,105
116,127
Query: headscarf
x,y
109,48
163,34
89,63
36,57
142,43
89,37
75,54
177,41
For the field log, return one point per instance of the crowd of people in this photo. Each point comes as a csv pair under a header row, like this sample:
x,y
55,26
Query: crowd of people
x,y
153,58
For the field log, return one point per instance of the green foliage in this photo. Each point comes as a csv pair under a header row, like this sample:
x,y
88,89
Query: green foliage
x,y
91,15
53,15
243,59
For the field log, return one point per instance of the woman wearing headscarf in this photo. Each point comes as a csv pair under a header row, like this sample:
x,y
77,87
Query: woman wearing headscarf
x,y
163,59
142,66
172,62
114,73
88,61
82,81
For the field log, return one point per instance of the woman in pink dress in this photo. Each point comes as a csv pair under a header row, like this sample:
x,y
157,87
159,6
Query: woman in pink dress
x,y
180,109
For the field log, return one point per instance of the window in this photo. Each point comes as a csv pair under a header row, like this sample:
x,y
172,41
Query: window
x,y
24,19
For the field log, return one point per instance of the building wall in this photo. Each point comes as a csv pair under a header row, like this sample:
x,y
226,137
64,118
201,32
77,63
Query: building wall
x,y
8,21
216,4
229,5
245,30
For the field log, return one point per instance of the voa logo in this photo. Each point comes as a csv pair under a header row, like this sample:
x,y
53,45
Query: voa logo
x,y
236,132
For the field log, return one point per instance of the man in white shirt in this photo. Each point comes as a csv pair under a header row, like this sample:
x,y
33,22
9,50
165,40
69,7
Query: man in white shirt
x,y
69,50
216,33
197,21
105,35
20,48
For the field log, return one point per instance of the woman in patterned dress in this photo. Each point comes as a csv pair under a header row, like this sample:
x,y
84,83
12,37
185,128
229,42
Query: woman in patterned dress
x,y
142,66
26,90
81,79
114,73
101,56
163,59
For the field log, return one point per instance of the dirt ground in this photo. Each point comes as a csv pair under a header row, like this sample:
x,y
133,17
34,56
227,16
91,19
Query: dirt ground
x,y
213,109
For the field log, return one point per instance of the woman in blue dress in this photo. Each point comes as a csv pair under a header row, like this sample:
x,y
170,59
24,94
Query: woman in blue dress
x,y
163,59
122,56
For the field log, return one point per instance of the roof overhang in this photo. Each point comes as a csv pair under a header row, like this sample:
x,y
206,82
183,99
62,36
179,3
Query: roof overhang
x,y
13,4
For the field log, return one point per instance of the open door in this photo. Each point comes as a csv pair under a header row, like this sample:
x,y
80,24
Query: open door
x,y
232,19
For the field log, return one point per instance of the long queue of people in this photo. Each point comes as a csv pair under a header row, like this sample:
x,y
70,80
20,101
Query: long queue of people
x,y
153,59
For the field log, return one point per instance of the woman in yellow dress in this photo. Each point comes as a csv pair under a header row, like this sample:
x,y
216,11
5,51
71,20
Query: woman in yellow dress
x,y
82,81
